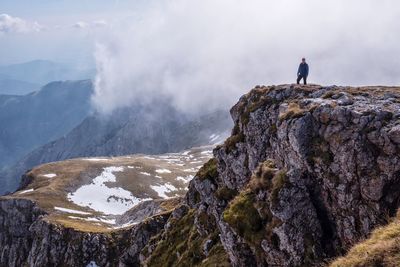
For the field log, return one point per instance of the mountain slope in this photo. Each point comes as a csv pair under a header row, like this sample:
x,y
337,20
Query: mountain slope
x,y
307,173
382,248
16,87
45,115
151,130
83,211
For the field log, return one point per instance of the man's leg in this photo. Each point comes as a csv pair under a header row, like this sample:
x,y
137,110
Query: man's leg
x,y
298,79
305,79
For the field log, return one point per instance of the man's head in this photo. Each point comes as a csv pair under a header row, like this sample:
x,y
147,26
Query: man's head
x,y
303,60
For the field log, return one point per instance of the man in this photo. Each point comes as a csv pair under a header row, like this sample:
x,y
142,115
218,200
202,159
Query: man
x,y
302,72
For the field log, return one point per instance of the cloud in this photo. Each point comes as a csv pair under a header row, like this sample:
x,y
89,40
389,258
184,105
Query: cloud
x,y
90,25
81,25
99,23
9,24
205,54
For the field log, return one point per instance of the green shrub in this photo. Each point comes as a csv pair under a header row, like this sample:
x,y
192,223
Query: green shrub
x,y
242,216
262,176
278,182
230,143
209,170
225,193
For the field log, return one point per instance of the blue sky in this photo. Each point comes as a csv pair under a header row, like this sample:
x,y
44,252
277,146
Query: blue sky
x,y
60,38
38,9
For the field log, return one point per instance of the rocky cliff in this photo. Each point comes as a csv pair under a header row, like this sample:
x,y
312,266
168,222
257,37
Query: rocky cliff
x,y
93,211
308,172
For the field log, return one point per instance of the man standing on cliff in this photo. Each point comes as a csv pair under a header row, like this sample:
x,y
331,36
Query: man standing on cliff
x,y
302,72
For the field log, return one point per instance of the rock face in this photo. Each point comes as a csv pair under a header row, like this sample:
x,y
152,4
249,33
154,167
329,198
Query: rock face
x,y
99,210
28,239
308,172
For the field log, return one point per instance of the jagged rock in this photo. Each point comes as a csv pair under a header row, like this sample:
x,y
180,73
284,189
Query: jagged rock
x,y
308,172
333,174
44,224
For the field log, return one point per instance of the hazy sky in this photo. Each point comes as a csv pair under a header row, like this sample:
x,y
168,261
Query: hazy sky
x,y
60,36
208,52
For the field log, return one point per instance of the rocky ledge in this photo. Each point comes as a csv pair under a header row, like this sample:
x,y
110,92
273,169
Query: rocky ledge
x,y
93,211
308,172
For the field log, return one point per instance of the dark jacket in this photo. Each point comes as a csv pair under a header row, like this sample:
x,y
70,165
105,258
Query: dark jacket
x,y
303,70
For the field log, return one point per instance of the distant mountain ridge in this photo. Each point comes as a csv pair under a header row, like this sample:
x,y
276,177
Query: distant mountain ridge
x,y
23,78
151,129
35,119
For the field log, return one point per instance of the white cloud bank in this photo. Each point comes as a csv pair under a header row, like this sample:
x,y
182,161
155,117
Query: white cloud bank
x,y
90,25
9,24
205,54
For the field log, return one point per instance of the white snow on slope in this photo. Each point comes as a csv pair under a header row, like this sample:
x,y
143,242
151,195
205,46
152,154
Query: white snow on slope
x,y
25,191
145,173
214,137
162,189
163,171
71,211
185,179
92,264
50,175
98,196
95,159
93,219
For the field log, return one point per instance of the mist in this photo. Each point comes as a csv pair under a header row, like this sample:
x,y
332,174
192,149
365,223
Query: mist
x,y
205,54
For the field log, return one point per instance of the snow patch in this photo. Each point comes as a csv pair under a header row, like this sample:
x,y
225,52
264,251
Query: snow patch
x,y
214,137
95,159
100,197
145,173
148,157
50,175
26,191
163,189
129,224
191,170
163,171
92,264
93,219
185,179
71,211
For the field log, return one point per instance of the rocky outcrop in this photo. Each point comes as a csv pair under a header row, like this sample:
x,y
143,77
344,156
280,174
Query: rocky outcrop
x,y
27,238
16,217
308,172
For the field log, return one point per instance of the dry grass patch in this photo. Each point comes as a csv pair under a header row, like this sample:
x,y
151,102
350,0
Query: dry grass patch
x,y
382,248
292,111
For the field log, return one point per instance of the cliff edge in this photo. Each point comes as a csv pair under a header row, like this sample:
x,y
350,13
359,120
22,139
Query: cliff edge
x,y
307,173
309,177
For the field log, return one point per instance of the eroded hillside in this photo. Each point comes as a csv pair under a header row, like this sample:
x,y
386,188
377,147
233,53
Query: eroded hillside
x,y
74,212
308,172
310,176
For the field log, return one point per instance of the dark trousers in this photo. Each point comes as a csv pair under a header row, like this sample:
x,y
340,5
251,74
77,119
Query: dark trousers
x,y
301,77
